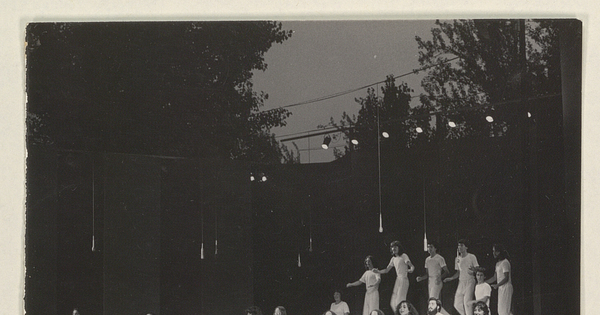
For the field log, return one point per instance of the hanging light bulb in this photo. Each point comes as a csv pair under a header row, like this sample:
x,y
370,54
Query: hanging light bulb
x,y
326,142
425,242
419,130
489,118
379,165
385,134
529,114
264,178
251,178
216,234
354,141
201,232
451,124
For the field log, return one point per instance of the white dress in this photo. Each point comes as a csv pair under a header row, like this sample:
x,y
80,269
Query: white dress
x,y
371,279
400,263
505,291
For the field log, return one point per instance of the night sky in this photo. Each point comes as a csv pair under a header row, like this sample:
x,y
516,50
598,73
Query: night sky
x,y
326,57
16,15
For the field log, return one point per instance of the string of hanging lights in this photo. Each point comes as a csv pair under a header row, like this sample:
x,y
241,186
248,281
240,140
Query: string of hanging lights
x,y
418,129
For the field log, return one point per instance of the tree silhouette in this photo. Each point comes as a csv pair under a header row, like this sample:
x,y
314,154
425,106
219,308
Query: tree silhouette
x,y
492,68
392,111
179,89
475,69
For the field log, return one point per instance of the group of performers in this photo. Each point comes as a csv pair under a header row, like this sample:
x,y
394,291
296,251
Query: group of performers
x,y
472,294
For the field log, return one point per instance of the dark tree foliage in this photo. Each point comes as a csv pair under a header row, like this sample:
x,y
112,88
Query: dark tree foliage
x,y
543,54
475,68
396,117
177,89
482,62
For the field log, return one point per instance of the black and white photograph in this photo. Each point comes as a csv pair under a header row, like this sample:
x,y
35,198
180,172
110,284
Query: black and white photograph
x,y
391,166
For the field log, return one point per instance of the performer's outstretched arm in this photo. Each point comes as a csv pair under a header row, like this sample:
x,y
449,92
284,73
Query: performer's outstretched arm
x,y
505,280
491,280
453,276
421,278
386,270
445,272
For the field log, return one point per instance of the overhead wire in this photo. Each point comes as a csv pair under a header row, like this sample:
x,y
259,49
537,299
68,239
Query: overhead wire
x,y
342,128
415,116
334,95
319,148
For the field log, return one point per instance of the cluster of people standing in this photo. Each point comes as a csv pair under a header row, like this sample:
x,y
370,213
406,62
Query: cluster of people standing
x,y
472,295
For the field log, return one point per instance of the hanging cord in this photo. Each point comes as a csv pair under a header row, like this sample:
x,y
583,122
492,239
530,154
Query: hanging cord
x,y
424,220
201,202
93,205
299,247
201,231
308,150
216,234
310,247
379,161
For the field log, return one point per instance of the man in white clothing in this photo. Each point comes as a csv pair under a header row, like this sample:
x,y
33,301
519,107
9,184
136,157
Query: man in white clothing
x,y
403,266
465,265
436,271
436,268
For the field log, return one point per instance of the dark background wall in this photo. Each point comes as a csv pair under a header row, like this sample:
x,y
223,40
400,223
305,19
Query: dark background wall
x,y
40,246
150,216
123,234
506,190
132,223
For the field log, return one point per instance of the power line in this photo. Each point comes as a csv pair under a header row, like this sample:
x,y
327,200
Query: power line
x,y
320,149
334,95
321,130
307,133
317,132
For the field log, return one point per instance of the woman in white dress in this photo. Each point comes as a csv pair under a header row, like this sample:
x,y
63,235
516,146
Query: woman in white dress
x,y
371,280
502,277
